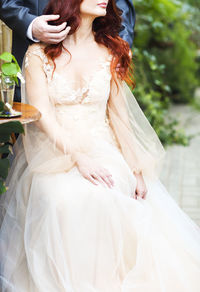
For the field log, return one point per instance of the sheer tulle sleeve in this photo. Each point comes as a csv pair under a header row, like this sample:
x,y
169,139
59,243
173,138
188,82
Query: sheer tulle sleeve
x,y
138,141
47,139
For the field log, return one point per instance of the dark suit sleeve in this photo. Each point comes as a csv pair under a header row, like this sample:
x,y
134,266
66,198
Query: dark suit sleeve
x,y
16,16
128,22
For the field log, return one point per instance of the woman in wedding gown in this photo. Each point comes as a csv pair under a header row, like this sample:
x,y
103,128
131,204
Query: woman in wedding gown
x,y
85,210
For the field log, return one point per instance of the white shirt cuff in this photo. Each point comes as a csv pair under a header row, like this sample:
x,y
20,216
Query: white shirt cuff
x,y
29,33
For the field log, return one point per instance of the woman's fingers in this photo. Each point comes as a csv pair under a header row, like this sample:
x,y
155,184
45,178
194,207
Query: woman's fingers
x,y
144,195
107,177
140,193
107,181
91,179
94,173
104,177
98,178
135,196
110,179
101,179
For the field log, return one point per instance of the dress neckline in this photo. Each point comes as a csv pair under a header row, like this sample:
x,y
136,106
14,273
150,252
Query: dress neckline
x,y
82,92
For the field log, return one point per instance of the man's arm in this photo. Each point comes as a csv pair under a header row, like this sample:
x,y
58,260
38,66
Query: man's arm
x,y
16,16
22,22
128,22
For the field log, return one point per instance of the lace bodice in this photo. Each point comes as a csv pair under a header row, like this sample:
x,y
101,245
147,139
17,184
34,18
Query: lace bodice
x,y
61,90
81,110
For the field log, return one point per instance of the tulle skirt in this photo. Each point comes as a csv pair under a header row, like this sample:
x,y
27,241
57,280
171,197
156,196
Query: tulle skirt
x,y
61,233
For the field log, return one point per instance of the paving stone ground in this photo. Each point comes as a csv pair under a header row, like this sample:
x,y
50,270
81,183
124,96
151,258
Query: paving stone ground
x,y
181,169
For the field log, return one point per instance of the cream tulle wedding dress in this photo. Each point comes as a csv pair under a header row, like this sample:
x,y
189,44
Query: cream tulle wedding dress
x,y
60,232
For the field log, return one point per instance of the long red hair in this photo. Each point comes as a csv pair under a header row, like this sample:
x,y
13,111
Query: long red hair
x,y
106,31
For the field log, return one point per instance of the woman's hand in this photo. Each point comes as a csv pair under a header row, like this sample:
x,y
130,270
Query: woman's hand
x,y
141,189
93,172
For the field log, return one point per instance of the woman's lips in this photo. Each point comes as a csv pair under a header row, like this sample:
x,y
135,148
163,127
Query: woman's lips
x,y
102,5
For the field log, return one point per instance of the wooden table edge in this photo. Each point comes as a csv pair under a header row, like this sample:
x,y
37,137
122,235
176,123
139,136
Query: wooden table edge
x,y
29,114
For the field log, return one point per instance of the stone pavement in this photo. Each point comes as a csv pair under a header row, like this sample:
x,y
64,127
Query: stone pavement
x,y
181,169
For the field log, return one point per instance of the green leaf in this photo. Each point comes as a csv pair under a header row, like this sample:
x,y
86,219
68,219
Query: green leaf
x,y
167,88
7,129
11,127
2,187
9,69
7,57
157,82
4,138
5,149
4,166
16,80
15,60
1,106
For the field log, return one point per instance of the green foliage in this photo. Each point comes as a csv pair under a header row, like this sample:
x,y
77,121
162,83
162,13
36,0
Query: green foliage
x,y
10,67
166,65
6,129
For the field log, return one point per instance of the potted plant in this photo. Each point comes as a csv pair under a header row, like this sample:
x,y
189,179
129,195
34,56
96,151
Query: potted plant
x,y
10,71
9,74
6,130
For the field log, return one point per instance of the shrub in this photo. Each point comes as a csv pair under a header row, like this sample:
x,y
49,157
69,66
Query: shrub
x,y
166,67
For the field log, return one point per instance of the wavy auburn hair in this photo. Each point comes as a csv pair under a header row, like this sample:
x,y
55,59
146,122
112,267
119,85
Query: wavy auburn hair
x,y
106,32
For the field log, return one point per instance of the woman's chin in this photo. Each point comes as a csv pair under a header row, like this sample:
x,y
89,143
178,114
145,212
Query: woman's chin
x,y
99,12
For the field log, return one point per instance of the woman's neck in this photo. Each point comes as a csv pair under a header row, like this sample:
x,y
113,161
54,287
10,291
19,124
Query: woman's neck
x,y
83,34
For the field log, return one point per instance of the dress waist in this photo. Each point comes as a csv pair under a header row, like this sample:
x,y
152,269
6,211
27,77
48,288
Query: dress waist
x,y
85,119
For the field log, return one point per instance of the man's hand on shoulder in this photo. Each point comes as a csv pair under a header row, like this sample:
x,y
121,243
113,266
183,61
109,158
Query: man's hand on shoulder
x,y
49,34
